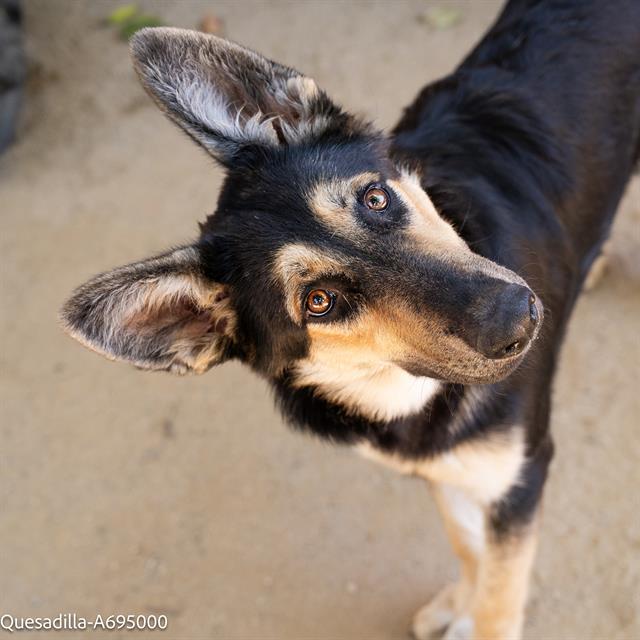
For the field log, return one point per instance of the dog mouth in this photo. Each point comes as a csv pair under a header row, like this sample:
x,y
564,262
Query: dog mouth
x,y
477,370
486,360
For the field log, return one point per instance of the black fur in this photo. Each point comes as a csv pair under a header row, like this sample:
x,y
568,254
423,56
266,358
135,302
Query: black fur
x,y
526,149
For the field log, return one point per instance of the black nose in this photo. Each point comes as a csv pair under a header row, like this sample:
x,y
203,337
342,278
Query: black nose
x,y
510,325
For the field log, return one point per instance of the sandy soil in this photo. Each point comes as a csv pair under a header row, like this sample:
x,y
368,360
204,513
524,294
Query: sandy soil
x,y
124,491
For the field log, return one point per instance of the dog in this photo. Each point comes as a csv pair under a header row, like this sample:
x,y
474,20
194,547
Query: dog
x,y
404,294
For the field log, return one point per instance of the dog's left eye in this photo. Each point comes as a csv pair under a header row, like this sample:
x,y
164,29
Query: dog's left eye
x,y
319,302
376,198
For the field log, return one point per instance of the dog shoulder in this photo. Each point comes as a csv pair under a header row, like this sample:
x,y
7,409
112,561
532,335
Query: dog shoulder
x,y
486,468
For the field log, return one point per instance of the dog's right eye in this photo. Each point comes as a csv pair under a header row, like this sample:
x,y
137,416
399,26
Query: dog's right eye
x,y
376,198
319,302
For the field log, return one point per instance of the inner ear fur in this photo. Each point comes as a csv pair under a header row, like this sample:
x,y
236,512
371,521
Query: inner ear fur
x,y
161,313
227,96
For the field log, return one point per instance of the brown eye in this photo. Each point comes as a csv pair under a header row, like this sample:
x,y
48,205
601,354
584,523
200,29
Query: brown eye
x,y
319,302
376,199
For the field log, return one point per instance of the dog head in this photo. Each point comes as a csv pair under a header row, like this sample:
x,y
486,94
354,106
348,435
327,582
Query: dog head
x,y
324,262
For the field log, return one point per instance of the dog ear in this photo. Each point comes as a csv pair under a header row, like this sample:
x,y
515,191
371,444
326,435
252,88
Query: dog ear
x,y
226,96
161,313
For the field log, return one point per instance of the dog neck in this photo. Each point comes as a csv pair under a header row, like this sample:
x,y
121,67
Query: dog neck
x,y
384,394
447,417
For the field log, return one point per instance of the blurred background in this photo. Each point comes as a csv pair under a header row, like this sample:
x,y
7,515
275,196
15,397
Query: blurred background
x,y
131,492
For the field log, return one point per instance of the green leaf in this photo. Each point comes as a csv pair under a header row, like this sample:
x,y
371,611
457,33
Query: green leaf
x,y
138,22
442,17
122,14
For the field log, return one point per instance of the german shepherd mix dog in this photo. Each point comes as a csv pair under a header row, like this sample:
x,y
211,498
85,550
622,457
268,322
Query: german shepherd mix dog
x,y
392,288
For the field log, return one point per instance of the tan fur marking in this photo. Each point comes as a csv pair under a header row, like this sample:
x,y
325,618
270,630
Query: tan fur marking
x,y
433,234
295,265
380,335
333,202
503,580
488,602
356,362
484,469
353,363
426,228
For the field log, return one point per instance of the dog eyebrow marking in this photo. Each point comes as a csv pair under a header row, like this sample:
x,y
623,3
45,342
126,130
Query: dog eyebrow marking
x,y
333,203
426,226
430,231
295,264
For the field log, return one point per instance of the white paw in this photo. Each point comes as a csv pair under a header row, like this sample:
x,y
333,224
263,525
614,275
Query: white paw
x,y
460,629
440,617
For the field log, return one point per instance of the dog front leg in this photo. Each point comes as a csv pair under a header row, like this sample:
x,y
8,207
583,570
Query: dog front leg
x,y
495,541
498,603
511,526
447,614
488,601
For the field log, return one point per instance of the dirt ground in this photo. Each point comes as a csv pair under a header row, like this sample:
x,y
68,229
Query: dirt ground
x,y
124,491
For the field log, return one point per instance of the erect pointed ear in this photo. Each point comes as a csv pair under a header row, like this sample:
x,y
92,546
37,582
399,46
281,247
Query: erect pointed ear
x,y
227,96
161,313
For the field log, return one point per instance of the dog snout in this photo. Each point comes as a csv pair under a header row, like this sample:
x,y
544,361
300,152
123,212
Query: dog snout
x,y
511,323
